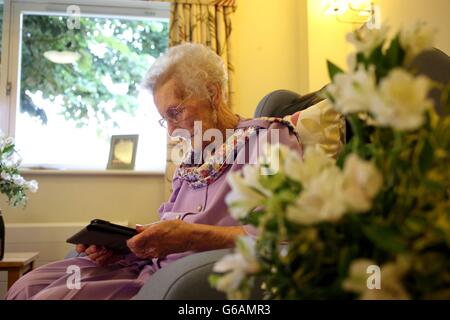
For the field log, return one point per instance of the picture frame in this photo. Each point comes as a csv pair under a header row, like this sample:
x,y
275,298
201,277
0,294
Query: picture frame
x,y
122,153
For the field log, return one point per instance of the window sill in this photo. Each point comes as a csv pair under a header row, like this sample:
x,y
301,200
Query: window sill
x,y
96,172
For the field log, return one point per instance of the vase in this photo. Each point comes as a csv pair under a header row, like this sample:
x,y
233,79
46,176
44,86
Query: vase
x,y
2,236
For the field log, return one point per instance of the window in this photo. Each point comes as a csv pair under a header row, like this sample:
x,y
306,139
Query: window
x,y
75,74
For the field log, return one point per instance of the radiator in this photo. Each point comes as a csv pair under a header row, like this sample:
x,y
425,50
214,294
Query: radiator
x,y
49,239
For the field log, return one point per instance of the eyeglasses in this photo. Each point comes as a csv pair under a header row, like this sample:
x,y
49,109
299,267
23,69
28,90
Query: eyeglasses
x,y
173,115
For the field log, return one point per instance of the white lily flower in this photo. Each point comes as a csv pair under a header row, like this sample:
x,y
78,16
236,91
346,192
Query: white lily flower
x,y
417,38
404,100
357,279
270,161
315,160
362,182
321,200
230,281
366,40
251,175
353,92
243,198
391,287
291,163
237,265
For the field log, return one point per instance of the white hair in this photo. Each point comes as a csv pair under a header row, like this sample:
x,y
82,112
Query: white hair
x,y
194,66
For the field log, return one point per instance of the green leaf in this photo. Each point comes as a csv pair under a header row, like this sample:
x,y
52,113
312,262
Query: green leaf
x,y
385,238
395,54
333,69
445,99
376,56
426,156
213,279
7,150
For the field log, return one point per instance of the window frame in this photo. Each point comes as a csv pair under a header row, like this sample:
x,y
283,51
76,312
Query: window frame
x,y
11,47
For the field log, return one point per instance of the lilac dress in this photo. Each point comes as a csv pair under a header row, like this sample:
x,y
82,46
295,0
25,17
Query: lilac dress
x,y
123,279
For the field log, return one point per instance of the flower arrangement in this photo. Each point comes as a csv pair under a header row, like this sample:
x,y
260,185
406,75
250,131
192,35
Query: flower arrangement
x,y
12,184
375,223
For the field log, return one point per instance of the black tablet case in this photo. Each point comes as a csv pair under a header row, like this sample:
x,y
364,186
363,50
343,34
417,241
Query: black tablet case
x,y
104,233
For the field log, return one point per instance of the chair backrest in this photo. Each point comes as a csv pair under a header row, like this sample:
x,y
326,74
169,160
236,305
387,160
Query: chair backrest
x,y
434,64
317,123
281,103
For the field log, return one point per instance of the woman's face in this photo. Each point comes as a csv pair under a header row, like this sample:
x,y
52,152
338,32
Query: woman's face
x,y
182,113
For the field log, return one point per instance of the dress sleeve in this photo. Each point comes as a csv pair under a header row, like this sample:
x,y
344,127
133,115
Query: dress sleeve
x,y
168,205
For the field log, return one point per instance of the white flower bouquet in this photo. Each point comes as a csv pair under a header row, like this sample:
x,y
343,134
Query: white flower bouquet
x,y
12,184
375,224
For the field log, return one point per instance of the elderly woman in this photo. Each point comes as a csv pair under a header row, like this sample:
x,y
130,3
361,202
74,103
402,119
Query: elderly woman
x,y
188,84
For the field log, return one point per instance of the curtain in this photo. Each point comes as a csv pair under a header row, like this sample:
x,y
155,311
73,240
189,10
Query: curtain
x,y
207,22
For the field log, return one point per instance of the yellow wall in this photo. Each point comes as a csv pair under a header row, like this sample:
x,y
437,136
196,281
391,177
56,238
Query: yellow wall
x,y
67,198
435,12
326,41
326,36
267,39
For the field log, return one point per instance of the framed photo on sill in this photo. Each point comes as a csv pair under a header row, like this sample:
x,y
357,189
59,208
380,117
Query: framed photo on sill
x,y
122,153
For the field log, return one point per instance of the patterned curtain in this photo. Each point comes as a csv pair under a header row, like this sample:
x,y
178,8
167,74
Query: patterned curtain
x,y
207,22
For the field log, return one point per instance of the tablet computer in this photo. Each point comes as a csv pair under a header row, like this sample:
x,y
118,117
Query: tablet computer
x,y
103,233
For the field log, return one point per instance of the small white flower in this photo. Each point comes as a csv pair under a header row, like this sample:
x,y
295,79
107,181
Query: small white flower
x,y
353,92
5,176
9,141
243,198
315,160
417,38
391,280
321,200
270,161
357,279
352,61
281,159
17,179
293,165
237,265
403,100
251,174
366,40
32,185
362,181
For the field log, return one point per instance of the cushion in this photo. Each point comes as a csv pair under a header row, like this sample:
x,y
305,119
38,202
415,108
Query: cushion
x,y
320,125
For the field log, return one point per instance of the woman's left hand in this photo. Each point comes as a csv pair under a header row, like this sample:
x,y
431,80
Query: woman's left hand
x,y
160,239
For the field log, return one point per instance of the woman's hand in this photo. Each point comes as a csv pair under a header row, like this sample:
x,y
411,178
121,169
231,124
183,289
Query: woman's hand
x,y
161,238
98,254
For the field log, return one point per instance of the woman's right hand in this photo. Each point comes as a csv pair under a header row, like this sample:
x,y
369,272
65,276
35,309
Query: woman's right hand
x,y
98,254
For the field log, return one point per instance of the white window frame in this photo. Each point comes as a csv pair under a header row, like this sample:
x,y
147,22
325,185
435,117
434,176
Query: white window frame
x,y
10,65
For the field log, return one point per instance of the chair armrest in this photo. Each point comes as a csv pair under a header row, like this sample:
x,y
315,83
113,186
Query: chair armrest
x,y
184,279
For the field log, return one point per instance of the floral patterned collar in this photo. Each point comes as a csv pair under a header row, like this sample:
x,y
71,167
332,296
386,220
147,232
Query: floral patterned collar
x,y
202,175
199,176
